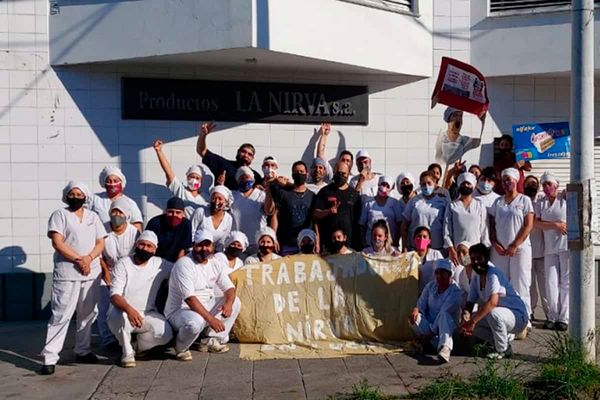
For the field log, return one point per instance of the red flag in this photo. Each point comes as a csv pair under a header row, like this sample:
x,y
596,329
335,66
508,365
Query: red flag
x,y
461,86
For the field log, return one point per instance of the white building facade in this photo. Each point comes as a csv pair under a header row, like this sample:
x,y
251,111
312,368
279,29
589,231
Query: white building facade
x,y
62,64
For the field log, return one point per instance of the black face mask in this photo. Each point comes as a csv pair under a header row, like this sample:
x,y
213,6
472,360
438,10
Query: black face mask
x,y
299,179
336,246
530,191
339,179
213,207
465,191
406,189
201,255
142,254
265,249
75,203
479,268
233,251
307,248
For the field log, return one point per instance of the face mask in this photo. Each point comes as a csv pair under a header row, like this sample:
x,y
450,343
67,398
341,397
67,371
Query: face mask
x,y
550,191
233,251
465,191
382,191
465,260
245,186
75,203
114,189
479,268
336,246
427,190
201,255
193,184
530,191
406,189
299,179
422,243
174,220
264,250
117,220
378,244
215,207
142,254
485,187
339,179
509,186
268,172
307,248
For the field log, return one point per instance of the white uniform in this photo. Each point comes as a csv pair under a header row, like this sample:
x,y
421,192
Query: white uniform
x,y
71,291
556,259
248,215
253,259
115,247
315,187
426,268
139,285
199,280
101,203
191,202
421,211
371,212
438,313
465,224
488,201
538,275
509,219
202,220
222,258
369,188
509,316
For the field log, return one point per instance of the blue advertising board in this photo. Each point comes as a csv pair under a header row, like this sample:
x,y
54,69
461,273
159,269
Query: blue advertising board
x,y
542,141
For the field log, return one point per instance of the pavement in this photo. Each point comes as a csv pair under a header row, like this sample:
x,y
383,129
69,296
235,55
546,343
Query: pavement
x,y
222,376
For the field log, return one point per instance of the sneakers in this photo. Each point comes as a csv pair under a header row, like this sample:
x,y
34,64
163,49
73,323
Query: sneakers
x,y
212,345
499,355
184,356
128,361
549,325
47,370
561,326
89,358
444,354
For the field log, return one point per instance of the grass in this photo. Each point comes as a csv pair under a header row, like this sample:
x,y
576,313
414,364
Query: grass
x,y
364,391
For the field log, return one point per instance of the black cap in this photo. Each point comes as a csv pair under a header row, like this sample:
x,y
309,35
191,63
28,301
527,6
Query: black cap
x,y
175,203
488,172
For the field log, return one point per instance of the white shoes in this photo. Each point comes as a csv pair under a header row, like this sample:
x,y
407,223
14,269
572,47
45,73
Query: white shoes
x,y
184,356
444,354
128,361
212,345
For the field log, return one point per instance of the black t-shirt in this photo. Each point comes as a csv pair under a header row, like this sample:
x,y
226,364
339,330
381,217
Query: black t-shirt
x,y
171,240
294,213
347,215
218,164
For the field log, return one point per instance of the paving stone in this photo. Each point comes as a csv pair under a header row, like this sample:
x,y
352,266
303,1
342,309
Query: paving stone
x,y
278,379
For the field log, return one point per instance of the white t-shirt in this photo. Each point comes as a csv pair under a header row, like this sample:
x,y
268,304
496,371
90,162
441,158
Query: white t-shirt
x,y
190,201
79,235
427,268
253,259
119,246
487,199
191,279
371,212
222,258
101,205
554,241
315,187
510,218
465,224
369,188
202,220
139,284
496,282
421,211
248,214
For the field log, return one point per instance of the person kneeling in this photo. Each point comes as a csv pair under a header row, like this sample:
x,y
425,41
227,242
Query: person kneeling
x,y
501,312
192,305
135,284
437,311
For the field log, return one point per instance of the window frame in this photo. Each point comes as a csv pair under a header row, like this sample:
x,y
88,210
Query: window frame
x,y
531,11
377,4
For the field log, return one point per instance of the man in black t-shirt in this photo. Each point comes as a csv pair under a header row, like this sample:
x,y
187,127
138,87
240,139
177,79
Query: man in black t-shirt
x,y
337,205
173,230
292,208
219,165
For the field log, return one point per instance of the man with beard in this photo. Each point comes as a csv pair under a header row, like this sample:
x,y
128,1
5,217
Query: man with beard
x,y
500,312
320,175
220,166
174,231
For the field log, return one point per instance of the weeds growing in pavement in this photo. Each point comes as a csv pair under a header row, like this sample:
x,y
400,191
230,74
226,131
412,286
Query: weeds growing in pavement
x,y
364,391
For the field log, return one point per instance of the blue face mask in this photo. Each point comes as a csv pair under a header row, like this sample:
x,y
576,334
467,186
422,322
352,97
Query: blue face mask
x,y
485,187
245,186
427,190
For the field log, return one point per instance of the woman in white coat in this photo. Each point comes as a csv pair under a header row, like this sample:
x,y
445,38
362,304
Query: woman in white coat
x,y
512,219
216,218
77,236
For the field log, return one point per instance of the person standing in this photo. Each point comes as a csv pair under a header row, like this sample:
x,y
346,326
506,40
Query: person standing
x,y
320,175
216,218
552,219
173,229
366,182
248,207
77,236
382,206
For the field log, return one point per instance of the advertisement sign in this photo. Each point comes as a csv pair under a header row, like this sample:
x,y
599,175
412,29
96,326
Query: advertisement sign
x,y
539,141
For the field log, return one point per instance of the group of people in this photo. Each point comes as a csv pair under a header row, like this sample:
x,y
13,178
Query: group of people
x,y
171,278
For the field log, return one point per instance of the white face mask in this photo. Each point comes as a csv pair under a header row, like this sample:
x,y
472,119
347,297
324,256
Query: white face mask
x,y
465,259
269,172
193,183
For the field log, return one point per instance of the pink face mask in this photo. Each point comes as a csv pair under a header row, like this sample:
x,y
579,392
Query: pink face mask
x,y
550,191
422,243
113,189
382,191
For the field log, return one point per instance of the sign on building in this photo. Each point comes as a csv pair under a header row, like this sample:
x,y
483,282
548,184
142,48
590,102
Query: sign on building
x,y
542,141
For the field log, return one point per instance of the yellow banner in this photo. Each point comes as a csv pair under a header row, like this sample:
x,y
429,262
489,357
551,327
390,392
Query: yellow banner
x,y
308,306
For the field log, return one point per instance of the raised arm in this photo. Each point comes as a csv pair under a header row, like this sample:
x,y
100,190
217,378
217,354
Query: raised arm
x,y
164,163
205,129
324,131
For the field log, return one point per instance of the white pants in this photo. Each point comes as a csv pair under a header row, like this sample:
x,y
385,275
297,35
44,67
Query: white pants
x,y
189,324
518,271
155,330
538,285
498,324
68,297
557,286
442,328
106,336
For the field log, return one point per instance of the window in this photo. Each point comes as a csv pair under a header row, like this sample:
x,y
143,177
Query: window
x,y
499,7
400,6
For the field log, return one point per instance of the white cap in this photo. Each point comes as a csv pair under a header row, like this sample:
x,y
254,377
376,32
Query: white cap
x,y
237,236
122,205
444,263
512,172
465,244
224,191
266,231
402,176
148,236
448,113
79,185
386,179
271,159
201,235
111,170
466,177
306,233
241,171
362,154
194,169
549,177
